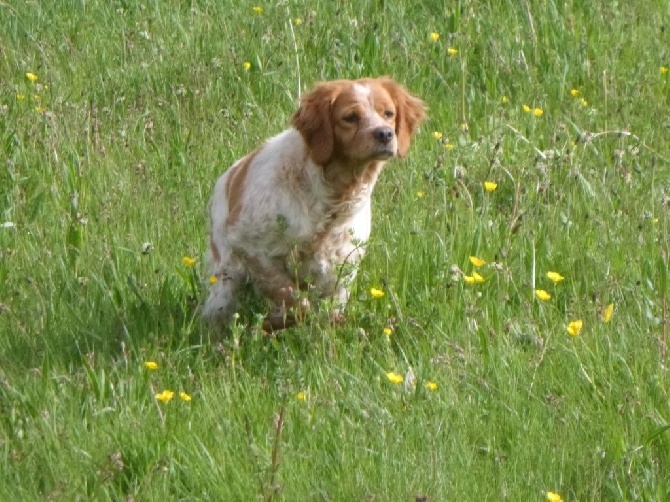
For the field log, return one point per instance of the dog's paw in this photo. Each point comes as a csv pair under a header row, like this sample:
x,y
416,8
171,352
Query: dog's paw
x,y
337,317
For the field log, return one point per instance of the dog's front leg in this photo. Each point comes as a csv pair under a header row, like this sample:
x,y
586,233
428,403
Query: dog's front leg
x,y
275,283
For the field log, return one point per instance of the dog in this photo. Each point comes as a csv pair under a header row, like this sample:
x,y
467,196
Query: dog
x,y
292,216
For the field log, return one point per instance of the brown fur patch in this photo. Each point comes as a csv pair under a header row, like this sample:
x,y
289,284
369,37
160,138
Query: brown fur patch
x,y
216,255
235,187
313,120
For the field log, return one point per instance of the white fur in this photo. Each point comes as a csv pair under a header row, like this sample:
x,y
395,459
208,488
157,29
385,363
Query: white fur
x,y
286,203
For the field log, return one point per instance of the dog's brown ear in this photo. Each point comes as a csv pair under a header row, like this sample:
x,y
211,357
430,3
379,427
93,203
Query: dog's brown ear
x,y
313,120
410,112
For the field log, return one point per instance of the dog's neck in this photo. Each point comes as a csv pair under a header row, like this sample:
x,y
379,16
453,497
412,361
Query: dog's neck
x,y
345,180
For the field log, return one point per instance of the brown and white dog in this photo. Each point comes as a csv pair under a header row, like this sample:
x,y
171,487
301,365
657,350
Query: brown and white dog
x,y
291,214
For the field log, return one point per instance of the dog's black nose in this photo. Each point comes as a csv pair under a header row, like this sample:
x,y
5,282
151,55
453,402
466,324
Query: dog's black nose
x,y
384,134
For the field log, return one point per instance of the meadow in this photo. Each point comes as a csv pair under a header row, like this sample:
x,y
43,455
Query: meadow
x,y
507,334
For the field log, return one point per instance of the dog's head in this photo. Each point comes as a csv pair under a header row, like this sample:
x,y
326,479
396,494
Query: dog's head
x,y
358,120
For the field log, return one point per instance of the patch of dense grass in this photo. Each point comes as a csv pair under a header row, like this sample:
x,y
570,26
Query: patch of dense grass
x,y
108,160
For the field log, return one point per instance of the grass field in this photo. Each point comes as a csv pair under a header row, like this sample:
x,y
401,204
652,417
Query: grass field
x,y
116,118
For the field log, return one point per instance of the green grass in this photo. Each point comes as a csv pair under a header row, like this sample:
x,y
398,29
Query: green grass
x,y
143,105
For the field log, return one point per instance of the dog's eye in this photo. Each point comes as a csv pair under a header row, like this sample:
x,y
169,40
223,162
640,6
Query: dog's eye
x,y
351,118
388,114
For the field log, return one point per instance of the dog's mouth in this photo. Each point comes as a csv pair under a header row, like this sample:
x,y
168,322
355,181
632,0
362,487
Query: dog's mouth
x,y
385,152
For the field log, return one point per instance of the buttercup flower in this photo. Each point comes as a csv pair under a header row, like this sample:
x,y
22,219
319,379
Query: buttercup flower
x,y
376,293
469,279
477,278
526,108
607,312
555,276
394,378
184,396
420,194
541,294
583,102
451,51
301,396
20,97
430,385
538,112
434,37
437,135
31,76
246,65
257,9
574,93
213,279
477,262
188,261
505,99
388,331
490,186
448,147
151,365
554,497
664,70
164,396
297,21
574,327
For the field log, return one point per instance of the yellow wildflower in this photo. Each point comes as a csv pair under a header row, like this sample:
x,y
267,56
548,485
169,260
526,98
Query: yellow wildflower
x,y
388,331
301,396
526,108
448,147
297,21
257,9
477,278
430,385
151,365
451,51
437,135
213,279
40,109
574,92
20,97
188,261
31,76
376,293
583,102
394,378
555,276
246,65
490,186
538,112
542,295
164,396
607,312
420,194
434,37
554,497
477,262
184,396
505,99
664,70
574,327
